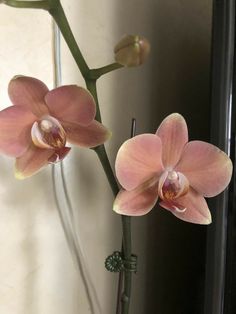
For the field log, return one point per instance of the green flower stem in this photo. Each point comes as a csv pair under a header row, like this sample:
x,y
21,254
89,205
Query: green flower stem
x,y
96,73
59,16
102,155
127,251
126,228
92,87
44,4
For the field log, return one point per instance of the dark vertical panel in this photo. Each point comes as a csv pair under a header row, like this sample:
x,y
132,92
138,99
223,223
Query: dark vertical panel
x,y
230,278
222,83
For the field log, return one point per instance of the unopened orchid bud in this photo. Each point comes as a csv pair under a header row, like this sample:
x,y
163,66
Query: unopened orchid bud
x,y
132,50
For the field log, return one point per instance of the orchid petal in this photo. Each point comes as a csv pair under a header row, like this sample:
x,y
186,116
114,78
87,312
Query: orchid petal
x,y
32,161
15,124
28,92
72,104
138,159
207,168
191,207
173,133
137,202
86,136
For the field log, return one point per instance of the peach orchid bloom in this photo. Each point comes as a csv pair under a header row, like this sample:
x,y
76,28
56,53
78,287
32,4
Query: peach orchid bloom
x,y
37,127
166,166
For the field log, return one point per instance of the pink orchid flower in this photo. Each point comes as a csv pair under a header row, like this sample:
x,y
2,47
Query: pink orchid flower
x,y
166,166
37,127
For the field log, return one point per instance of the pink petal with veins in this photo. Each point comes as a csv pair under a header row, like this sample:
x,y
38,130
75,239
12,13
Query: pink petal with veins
x,y
173,133
207,168
137,202
71,104
28,92
138,159
92,135
191,207
15,125
32,161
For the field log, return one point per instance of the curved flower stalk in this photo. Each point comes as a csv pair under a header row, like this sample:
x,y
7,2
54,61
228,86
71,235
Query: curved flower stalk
x,y
38,126
166,166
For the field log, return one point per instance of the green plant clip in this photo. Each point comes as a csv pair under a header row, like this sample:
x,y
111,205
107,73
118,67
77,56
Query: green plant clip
x,y
115,263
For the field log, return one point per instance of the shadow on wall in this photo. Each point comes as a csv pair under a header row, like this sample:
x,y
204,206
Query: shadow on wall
x,y
180,82
175,79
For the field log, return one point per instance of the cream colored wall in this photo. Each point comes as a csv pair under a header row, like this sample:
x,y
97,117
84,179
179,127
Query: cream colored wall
x,y
37,274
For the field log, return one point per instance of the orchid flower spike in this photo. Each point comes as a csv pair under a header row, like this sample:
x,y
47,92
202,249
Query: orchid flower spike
x,y
38,126
166,166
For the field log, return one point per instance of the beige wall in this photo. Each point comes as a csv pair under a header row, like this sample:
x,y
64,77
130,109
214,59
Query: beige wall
x,y
37,274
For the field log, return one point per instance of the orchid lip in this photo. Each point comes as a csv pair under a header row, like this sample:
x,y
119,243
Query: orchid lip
x,y
172,185
48,133
54,159
59,155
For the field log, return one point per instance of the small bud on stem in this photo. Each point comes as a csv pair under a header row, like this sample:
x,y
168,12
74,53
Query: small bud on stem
x,y
132,50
